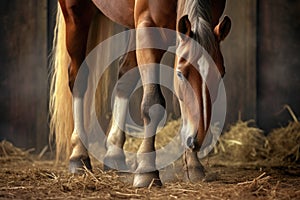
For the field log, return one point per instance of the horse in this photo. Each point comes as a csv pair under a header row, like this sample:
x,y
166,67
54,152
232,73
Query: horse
x,y
194,20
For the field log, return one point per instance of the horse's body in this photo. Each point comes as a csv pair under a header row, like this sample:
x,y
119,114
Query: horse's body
x,y
169,14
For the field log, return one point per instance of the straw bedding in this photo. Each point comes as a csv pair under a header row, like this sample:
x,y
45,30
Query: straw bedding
x,y
25,176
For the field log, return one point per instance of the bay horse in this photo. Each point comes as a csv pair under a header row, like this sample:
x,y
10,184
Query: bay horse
x,y
193,20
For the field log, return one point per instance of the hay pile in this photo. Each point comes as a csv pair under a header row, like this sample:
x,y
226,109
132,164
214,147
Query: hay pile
x,y
10,153
244,143
7,149
285,143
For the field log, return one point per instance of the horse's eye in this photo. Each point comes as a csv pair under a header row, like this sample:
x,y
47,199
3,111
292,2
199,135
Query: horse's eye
x,y
180,75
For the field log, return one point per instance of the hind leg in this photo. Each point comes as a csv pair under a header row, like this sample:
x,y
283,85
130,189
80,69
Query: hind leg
x,y
78,15
115,157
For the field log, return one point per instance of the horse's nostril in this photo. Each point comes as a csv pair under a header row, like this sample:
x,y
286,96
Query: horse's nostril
x,y
190,142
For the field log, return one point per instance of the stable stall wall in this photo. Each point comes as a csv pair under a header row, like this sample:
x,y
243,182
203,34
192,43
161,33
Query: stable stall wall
x,y
278,51
23,72
240,56
262,57
26,39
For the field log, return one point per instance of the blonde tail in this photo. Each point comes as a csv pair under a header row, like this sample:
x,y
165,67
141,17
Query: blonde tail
x,y
60,105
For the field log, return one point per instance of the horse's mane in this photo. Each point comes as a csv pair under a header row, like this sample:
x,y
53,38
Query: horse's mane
x,y
200,16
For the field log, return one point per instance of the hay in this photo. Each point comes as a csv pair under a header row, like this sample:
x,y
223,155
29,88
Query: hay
x,y
11,154
163,137
243,143
285,143
44,182
7,149
41,180
259,185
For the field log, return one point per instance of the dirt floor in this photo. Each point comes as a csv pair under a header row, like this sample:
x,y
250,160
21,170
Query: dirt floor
x,y
23,176
245,164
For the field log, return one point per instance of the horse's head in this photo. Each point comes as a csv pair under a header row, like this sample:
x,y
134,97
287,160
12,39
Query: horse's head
x,y
196,81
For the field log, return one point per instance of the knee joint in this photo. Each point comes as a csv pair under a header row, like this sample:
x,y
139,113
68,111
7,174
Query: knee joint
x,y
153,106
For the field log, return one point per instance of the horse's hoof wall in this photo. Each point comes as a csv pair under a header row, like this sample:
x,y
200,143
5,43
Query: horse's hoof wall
x,y
115,163
194,175
147,179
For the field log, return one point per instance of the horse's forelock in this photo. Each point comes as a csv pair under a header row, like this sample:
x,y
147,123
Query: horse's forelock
x,y
200,16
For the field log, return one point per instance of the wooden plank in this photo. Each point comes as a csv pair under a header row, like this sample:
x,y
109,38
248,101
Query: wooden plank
x,y
23,57
279,61
51,20
239,51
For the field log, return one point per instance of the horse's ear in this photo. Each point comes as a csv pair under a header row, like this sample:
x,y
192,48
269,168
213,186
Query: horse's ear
x,y
184,26
222,29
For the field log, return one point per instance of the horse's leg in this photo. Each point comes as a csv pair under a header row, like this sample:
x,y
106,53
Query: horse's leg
x,y
78,15
193,169
151,114
115,157
148,62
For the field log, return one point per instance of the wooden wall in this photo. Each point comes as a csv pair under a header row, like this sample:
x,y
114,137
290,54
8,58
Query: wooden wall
x,y
262,61
23,79
278,61
239,51
261,56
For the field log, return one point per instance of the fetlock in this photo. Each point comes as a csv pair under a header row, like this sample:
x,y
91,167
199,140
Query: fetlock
x,y
79,158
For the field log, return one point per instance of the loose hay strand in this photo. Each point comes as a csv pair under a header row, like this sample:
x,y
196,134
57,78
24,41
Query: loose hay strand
x,y
291,113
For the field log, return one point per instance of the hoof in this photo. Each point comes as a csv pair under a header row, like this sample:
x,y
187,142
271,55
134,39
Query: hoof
x,y
194,175
115,160
77,166
115,163
147,179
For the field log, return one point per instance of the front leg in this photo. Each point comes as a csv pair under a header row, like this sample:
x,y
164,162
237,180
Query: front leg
x,y
152,113
151,14
193,169
152,107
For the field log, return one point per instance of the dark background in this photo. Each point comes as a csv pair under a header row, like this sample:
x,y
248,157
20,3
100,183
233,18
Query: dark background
x,y
262,56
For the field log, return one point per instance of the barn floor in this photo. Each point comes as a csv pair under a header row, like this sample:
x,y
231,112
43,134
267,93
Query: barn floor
x,y
25,176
